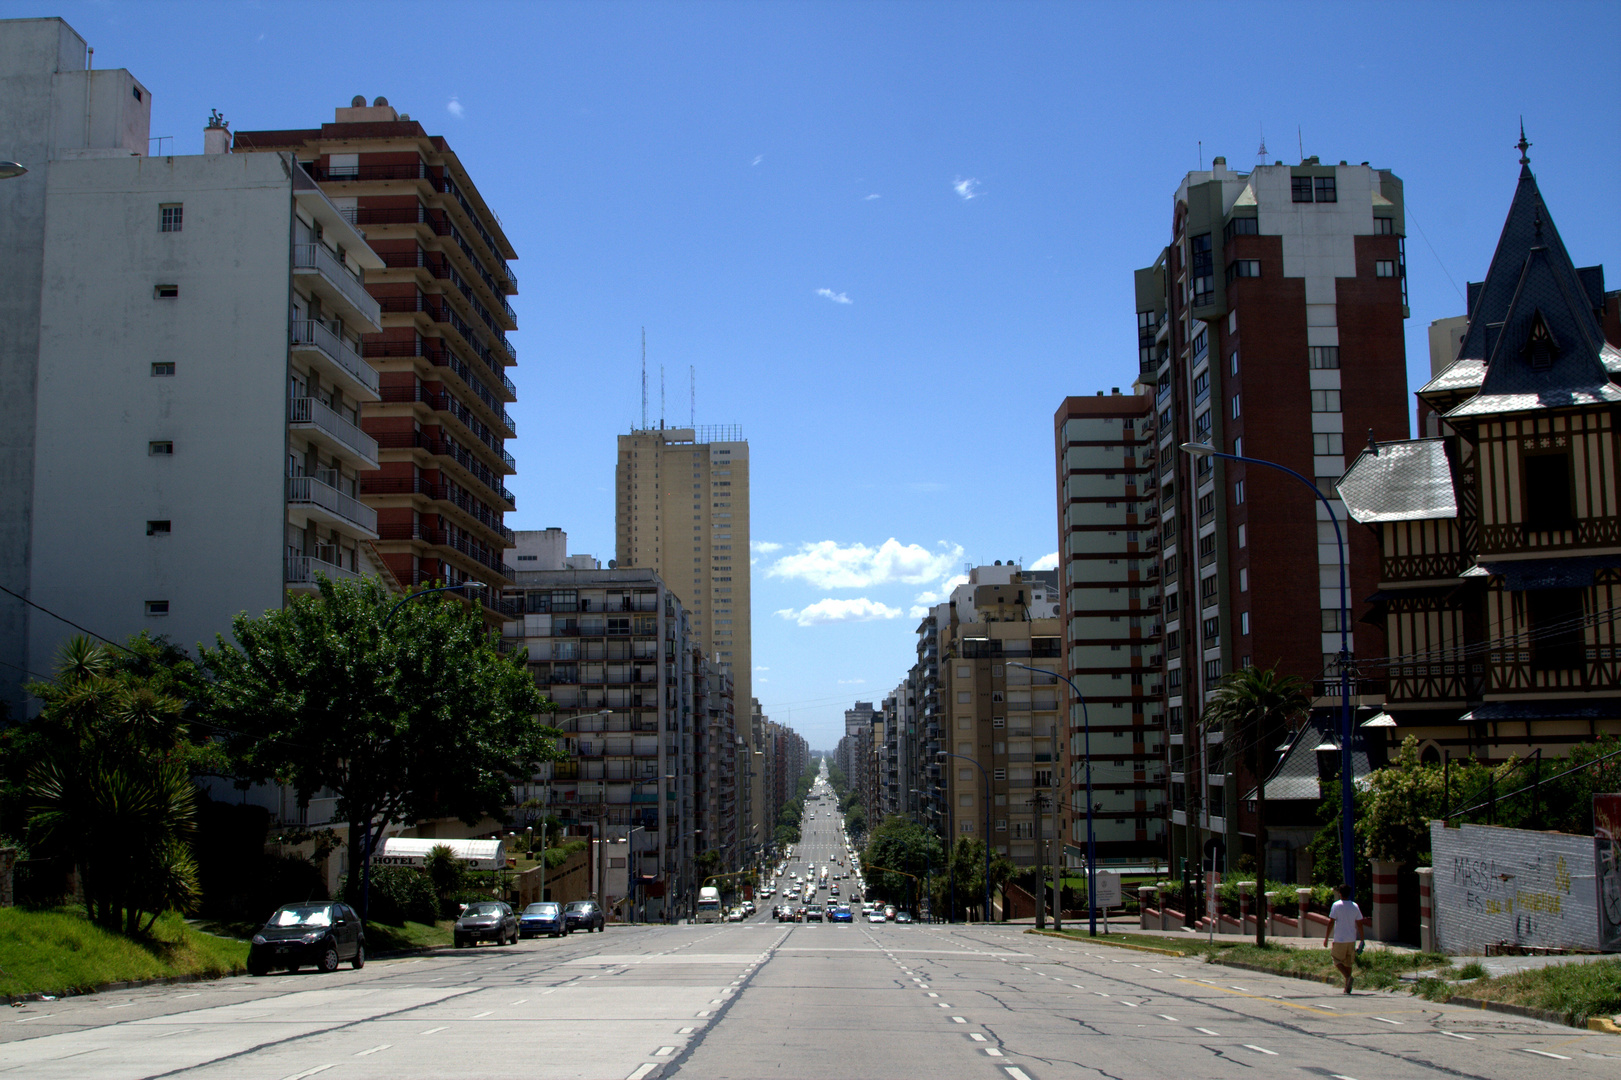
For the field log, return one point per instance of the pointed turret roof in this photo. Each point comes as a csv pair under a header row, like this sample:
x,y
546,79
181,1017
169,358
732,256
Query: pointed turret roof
x,y
1533,326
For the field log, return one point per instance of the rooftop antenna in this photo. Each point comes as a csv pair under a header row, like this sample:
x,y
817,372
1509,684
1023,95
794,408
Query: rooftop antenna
x,y
1201,155
1301,139
661,397
1260,155
644,378
692,377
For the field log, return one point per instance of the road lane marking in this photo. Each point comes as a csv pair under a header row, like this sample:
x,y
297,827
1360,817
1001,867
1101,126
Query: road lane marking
x,y
993,1051
373,1050
26,1019
1133,1004
958,1020
482,1015
194,993
1100,993
1156,971
976,1036
1172,1019
1207,1031
433,1031
521,1001
1455,1035
1382,1020
933,993
943,1005
1259,1049
642,1070
1016,1072
686,1031
125,1005
702,1014
664,1051
1543,1053
309,1072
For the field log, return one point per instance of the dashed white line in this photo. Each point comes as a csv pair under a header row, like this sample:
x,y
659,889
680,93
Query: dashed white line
x,y
1207,1031
664,1051
482,1015
976,1036
993,1051
958,1020
686,1031
943,1004
125,1005
933,994
1543,1053
194,993
309,1072
701,1014
1172,1019
1016,1072
1240,989
1100,993
1340,1076
1382,1020
1133,1004
1259,1049
521,1001
433,1031
642,1071
27,1019
1455,1035
373,1050
1156,971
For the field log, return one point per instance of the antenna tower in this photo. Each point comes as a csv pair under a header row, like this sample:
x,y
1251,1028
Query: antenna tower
x,y
1260,155
661,397
644,378
692,378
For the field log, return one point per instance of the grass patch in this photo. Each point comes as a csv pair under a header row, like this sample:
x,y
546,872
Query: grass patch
x,y
1579,991
1474,969
59,950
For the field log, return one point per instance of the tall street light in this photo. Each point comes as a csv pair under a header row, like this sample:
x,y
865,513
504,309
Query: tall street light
x,y
365,865
1091,841
1347,850
942,755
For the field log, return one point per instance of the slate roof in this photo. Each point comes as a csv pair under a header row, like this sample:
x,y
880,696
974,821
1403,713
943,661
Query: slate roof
x,y
1296,776
1533,293
1404,481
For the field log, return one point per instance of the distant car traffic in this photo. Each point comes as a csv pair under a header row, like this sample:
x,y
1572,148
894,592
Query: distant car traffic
x,y
903,916
485,920
324,934
543,917
840,914
875,915
584,915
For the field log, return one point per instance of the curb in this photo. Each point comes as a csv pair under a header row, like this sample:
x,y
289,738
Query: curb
x,y
1304,976
125,984
1546,1015
1604,1024
1104,940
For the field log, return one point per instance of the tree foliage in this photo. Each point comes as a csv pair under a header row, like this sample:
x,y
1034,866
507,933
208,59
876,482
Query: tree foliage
x,y
110,786
407,715
966,871
898,848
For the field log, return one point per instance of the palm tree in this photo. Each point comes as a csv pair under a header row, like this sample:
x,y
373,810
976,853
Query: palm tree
x,y
1254,707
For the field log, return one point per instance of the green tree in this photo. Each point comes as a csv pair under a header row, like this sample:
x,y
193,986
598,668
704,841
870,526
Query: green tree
x,y
967,870
110,787
898,848
1254,707
426,719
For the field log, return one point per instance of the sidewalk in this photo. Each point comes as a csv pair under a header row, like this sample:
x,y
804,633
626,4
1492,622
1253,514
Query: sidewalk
x,y
1130,925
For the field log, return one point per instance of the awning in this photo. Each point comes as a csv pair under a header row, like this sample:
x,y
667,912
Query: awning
x,y
1576,709
1546,573
1384,719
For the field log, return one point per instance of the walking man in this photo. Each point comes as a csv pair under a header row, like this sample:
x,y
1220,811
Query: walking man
x,y
1345,929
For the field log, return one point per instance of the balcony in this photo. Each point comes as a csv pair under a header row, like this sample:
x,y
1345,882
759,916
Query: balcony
x,y
334,356
451,493
454,539
335,432
323,502
448,448
335,282
302,571
446,403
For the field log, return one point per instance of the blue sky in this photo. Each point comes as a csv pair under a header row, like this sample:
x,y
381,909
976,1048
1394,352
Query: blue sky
x,y
889,237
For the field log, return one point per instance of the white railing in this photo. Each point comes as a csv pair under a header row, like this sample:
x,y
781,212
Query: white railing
x,y
311,334
315,412
324,260
310,491
303,569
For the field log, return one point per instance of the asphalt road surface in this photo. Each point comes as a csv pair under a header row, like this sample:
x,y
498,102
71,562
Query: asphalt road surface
x,y
761,999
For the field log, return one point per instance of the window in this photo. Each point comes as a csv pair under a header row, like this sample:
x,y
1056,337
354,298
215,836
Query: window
x,y
1558,638
1212,670
1234,359
1238,446
1239,268
1244,623
160,449
1201,426
166,292
1207,505
1300,188
965,800
1207,545
1211,628
162,369
1325,189
1243,534
1207,588
157,607
157,528
1173,678
1328,442
1236,409
1547,491
1238,492
1241,226
1383,226
1384,268
1243,580
1325,401
169,216
1331,620
1201,385
964,697
1171,640
1324,357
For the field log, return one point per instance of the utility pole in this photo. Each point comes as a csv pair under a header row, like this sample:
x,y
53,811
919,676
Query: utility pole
x,y
1039,802
1058,841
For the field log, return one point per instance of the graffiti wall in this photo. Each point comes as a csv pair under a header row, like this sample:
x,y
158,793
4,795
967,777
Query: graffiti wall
x,y
1497,885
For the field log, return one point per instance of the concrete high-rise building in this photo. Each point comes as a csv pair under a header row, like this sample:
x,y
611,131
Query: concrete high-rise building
x,y
1003,721
1108,554
1271,326
441,425
682,509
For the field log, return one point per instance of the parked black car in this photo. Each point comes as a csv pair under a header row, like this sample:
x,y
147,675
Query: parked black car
x,y
324,934
486,920
544,917
584,915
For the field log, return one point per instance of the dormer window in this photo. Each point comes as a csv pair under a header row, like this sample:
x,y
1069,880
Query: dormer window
x,y
1540,347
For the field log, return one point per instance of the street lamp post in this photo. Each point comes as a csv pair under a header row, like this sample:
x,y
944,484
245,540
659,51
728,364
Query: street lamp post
x,y
365,864
1091,841
942,755
1347,852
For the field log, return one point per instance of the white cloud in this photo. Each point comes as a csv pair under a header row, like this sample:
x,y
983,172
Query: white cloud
x,y
968,189
455,107
1046,562
833,610
827,565
764,547
757,159
917,612
836,297
873,196
939,595
761,667
851,682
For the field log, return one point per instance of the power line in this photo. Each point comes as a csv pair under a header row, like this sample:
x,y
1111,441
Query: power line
x,y
64,618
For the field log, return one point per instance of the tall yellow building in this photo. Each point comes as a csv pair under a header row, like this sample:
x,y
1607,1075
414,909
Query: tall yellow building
x,y
682,509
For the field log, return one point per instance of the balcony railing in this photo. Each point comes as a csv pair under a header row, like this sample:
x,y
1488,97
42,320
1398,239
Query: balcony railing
x,y
303,570
446,447
436,351
305,412
309,335
326,262
446,403
454,539
309,491
416,485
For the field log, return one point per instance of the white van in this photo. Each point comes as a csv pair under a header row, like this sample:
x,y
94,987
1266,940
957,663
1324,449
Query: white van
x,y
709,904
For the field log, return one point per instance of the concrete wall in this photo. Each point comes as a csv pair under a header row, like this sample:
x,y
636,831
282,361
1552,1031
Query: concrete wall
x,y
95,483
52,106
1513,885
